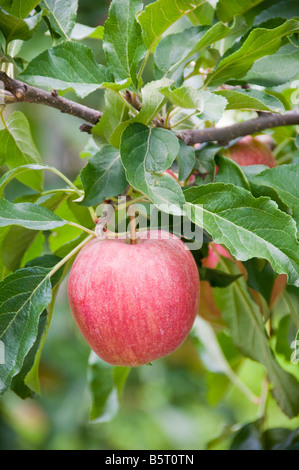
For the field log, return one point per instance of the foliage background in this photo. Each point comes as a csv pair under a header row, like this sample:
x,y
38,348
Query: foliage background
x,y
175,404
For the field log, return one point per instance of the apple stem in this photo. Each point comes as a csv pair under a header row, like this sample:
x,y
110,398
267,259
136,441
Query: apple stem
x,y
133,225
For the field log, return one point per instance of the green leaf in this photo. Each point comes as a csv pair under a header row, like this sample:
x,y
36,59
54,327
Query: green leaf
x,y
261,277
216,278
184,97
186,161
21,8
105,384
114,114
15,245
284,180
292,297
17,148
103,177
62,16
248,227
213,106
260,42
231,172
251,100
212,355
274,70
203,15
24,172
13,27
70,65
152,102
123,42
24,296
146,153
287,9
179,48
244,320
205,163
228,9
31,216
160,15
18,384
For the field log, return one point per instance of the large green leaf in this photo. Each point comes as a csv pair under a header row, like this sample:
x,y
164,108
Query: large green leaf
x,y
248,227
251,100
103,177
160,15
70,65
62,16
146,153
178,48
123,42
24,296
31,216
105,385
284,179
276,69
260,42
245,324
17,148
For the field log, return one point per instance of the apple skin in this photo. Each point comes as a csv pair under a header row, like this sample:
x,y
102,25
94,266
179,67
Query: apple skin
x,y
213,257
251,151
134,303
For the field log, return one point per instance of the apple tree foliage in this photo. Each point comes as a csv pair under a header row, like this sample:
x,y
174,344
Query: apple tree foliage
x,y
171,68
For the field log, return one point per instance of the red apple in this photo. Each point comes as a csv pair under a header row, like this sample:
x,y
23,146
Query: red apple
x,y
213,257
134,303
251,151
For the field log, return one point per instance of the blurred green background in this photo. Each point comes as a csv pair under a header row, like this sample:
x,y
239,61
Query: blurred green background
x,y
174,404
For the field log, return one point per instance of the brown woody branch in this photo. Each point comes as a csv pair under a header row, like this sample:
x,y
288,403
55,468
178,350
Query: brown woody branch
x,y
29,94
224,135
16,92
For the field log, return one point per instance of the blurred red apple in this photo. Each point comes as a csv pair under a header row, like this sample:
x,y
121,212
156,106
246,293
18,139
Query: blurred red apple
x,y
251,151
134,303
213,257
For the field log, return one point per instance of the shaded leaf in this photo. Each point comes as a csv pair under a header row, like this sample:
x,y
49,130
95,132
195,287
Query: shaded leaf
x,y
246,327
105,384
248,227
284,180
103,177
17,148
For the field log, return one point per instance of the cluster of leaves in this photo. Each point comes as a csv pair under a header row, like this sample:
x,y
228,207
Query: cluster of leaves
x,y
190,50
